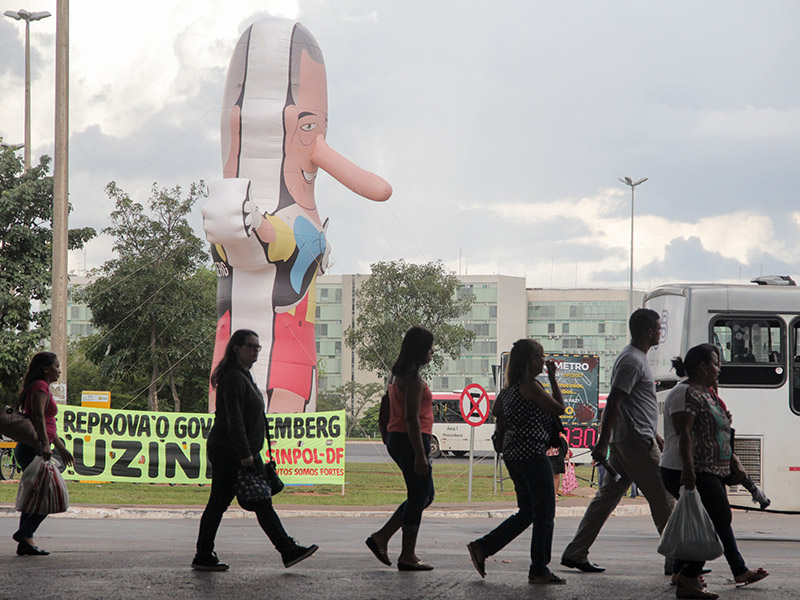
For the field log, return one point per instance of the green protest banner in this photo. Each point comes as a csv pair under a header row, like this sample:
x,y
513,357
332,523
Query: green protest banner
x,y
158,447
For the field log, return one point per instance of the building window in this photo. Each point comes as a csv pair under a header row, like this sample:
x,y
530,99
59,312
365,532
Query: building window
x,y
601,327
493,311
551,328
322,328
565,328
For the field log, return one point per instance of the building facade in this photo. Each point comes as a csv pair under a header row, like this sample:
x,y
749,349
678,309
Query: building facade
x,y
565,321
79,317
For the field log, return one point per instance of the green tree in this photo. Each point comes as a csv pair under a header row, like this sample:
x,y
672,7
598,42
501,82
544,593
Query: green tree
x,y
26,250
154,304
353,398
399,295
369,422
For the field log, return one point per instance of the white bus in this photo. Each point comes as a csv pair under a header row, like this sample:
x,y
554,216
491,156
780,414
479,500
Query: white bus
x,y
451,433
757,329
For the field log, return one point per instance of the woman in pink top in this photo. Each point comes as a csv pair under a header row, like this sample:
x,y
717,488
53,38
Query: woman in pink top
x,y
37,402
409,444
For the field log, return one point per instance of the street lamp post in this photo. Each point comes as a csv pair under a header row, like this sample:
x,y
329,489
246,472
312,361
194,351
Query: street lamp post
x,y
630,182
13,147
24,15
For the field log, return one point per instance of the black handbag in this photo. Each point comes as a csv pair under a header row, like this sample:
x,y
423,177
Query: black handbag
x,y
556,428
252,489
275,483
271,468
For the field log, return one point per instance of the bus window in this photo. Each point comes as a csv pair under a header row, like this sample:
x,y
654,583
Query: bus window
x,y
753,351
794,356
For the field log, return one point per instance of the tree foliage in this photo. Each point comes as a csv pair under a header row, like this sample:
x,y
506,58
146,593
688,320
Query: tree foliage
x,y
399,295
355,399
26,250
154,304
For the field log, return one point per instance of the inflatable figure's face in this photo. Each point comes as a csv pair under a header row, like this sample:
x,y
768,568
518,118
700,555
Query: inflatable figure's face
x,y
304,122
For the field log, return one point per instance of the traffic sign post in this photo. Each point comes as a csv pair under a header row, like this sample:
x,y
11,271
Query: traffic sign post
x,y
474,406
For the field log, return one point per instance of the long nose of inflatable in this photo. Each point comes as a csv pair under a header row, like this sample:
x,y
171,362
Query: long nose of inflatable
x,y
353,177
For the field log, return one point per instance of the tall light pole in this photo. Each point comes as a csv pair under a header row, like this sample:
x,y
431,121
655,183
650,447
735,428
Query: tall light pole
x,y
58,314
630,182
24,15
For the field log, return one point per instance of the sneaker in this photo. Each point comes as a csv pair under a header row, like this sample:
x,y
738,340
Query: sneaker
x,y
296,553
759,497
208,562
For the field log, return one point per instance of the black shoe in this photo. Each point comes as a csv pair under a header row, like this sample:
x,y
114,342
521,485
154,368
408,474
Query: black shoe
x,y
585,566
296,553
208,562
26,549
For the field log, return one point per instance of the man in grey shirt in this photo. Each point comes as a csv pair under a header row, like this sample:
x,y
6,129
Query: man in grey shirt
x,y
628,429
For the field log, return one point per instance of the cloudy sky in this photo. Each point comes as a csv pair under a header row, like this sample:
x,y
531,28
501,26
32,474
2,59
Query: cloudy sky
x,y
503,128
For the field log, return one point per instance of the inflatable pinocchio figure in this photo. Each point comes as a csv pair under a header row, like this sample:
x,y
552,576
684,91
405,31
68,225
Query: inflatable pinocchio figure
x,y
268,240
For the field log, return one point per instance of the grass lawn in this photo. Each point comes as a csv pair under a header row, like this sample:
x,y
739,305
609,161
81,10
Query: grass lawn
x,y
366,484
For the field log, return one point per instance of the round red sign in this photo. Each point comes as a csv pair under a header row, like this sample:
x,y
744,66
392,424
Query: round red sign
x,y
474,405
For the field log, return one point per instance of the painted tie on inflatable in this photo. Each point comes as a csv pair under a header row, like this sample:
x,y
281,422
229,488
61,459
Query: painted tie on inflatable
x,y
268,241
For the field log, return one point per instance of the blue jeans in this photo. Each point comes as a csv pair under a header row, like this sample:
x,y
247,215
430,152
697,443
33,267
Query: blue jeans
x,y
28,523
533,482
419,488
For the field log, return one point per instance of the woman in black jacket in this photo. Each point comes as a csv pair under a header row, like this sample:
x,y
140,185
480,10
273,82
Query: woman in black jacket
x,y
235,442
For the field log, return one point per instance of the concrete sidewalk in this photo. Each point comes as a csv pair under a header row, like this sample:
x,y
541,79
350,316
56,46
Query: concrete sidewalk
x,y
572,506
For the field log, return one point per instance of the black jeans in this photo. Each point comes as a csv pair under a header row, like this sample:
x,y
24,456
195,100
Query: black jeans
x,y
419,488
715,500
533,482
28,523
225,465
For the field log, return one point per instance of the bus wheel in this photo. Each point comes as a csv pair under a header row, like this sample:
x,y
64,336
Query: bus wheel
x,y
8,466
435,450
459,453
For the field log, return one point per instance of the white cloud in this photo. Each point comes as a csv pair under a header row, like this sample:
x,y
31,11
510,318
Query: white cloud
x,y
750,123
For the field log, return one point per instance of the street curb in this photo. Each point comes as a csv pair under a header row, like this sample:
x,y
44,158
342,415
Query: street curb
x,y
87,512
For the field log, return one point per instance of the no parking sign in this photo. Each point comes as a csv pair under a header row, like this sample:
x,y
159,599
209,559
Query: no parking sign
x,y
474,405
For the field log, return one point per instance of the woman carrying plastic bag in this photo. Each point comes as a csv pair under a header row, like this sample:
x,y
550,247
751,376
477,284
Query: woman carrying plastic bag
x,y
700,428
36,401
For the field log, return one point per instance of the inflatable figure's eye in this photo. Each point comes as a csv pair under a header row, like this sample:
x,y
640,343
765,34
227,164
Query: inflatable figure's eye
x,y
308,126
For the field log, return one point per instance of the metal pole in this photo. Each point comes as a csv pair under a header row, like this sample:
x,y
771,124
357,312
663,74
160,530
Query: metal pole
x,y
471,461
58,331
630,285
27,153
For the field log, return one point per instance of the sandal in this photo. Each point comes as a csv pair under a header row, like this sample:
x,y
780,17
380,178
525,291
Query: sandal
x,y
379,552
684,592
750,577
550,578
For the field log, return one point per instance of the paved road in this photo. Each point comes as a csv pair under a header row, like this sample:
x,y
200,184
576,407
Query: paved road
x,y
148,558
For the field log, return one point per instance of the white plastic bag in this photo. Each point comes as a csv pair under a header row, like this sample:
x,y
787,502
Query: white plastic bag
x,y
42,490
689,533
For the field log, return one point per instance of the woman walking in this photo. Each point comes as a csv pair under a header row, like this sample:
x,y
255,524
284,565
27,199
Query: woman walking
x,y
409,444
698,454
235,442
528,412
36,401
